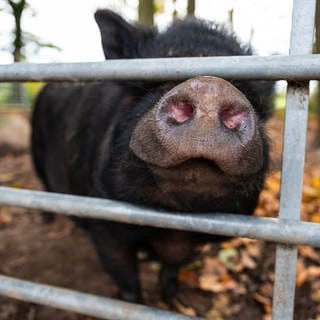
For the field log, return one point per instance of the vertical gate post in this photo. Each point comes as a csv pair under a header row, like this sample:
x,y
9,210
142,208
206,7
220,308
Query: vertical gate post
x,y
293,160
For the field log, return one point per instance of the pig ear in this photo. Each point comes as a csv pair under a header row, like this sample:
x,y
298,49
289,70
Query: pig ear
x,y
119,38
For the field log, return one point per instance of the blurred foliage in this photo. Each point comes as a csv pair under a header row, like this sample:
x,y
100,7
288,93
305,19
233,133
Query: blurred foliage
x,y
31,90
313,102
159,6
280,100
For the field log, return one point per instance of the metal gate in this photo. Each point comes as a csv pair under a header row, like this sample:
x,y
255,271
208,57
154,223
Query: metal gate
x,y
299,67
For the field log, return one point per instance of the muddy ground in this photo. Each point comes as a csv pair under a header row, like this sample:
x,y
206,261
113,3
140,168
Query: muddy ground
x,y
230,281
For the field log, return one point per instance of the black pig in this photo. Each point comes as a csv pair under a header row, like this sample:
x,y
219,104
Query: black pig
x,y
193,146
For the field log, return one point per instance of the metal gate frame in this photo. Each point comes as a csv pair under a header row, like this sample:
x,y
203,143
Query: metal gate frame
x,y
287,230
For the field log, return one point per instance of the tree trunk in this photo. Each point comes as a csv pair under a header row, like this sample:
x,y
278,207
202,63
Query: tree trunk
x,y
317,50
17,10
230,18
17,91
146,12
191,7
175,12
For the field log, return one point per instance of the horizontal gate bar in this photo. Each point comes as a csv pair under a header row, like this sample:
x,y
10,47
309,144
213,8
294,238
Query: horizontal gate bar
x,y
269,229
91,305
299,67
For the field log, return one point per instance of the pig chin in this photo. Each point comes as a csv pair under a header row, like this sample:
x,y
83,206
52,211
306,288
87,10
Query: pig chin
x,y
200,178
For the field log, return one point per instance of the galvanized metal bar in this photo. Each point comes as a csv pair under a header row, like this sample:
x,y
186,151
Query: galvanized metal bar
x,y
294,150
302,67
275,230
293,160
91,305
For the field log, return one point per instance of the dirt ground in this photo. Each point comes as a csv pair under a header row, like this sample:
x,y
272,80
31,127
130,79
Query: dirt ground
x,y
232,280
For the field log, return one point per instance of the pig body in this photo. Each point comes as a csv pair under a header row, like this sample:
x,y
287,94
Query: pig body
x,y
161,145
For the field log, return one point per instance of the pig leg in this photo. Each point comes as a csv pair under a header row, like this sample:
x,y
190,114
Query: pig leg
x,y
169,281
174,248
120,261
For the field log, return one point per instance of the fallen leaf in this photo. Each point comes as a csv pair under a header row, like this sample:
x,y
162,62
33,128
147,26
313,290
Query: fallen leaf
x,y
211,282
315,217
247,261
188,311
188,278
309,252
315,182
5,217
227,257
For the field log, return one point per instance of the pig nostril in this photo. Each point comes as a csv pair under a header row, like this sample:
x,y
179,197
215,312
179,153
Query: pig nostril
x,y
232,118
180,112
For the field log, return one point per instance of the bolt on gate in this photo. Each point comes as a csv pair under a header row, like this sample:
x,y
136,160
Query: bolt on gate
x,y
299,67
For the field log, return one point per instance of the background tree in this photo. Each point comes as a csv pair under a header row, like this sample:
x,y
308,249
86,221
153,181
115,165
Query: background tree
x,y
148,8
191,8
230,18
175,11
17,9
20,39
146,12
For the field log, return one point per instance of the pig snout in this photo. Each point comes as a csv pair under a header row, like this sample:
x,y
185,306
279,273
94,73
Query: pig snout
x,y
201,118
